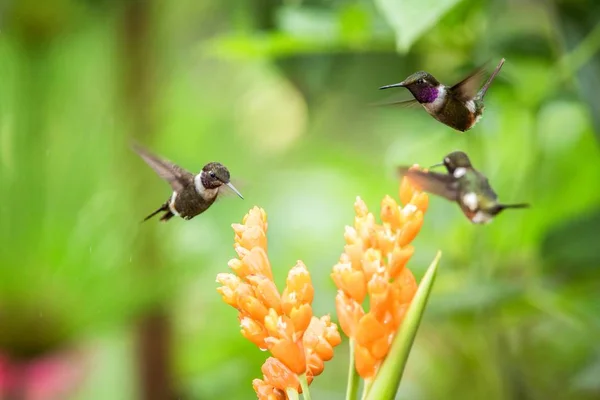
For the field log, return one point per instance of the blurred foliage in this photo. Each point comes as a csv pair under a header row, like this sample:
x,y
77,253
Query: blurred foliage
x,y
281,94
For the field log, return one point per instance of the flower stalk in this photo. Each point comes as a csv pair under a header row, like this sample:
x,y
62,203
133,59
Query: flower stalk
x,y
353,378
304,385
291,393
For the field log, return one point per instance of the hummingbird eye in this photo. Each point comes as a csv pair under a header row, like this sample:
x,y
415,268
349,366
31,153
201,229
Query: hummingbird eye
x,y
420,81
212,174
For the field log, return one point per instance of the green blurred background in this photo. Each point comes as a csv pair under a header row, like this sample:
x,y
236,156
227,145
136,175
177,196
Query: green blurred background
x,y
282,93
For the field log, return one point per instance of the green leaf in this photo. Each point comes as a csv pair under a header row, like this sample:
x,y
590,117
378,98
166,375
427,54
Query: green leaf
x,y
411,18
387,380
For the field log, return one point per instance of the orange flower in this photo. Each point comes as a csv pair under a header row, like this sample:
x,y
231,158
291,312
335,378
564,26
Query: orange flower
x,y
281,323
374,264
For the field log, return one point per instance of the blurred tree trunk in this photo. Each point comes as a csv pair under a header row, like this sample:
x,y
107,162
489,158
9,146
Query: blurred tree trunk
x,y
153,335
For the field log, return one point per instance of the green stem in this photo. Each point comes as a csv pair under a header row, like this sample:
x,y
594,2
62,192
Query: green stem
x,y
353,378
304,385
292,394
366,388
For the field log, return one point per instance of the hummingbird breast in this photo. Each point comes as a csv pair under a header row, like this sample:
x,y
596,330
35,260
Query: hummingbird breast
x,y
188,203
454,113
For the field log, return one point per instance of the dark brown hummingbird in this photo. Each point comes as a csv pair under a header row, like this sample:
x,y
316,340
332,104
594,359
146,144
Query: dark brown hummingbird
x,y
462,184
192,194
459,106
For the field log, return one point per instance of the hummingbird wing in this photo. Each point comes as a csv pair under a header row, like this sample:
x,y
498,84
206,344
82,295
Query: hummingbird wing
x,y
485,187
177,177
433,182
467,89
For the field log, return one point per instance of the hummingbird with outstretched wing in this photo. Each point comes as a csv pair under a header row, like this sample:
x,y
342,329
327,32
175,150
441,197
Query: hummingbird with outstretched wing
x,y
459,106
463,184
192,194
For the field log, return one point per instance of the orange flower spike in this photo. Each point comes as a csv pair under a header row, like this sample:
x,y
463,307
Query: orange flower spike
x,y
279,326
372,263
407,286
381,346
241,251
366,365
421,201
314,363
399,314
256,217
264,391
257,263
276,374
239,267
399,258
360,208
330,333
283,342
252,236
255,221
254,332
353,248
411,227
390,213
364,223
369,330
321,337
300,317
351,281
266,291
349,312
299,289
385,240
407,190
381,299
251,306
230,284
291,354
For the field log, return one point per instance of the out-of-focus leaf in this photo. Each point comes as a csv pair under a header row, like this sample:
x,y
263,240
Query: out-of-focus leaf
x,y
472,298
571,248
587,379
307,22
411,18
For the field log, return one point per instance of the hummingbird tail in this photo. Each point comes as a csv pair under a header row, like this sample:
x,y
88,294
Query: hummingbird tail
x,y
487,84
164,207
167,216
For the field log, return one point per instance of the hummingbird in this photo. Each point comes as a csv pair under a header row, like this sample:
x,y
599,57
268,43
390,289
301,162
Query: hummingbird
x,y
459,106
463,184
192,194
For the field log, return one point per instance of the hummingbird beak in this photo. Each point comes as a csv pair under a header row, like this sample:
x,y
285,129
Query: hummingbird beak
x,y
234,189
437,165
401,84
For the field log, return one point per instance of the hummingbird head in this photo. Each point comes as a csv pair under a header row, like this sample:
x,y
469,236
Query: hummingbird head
x,y
455,160
423,86
215,175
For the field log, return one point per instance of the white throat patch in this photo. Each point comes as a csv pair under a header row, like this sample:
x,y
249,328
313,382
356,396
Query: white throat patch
x,y
202,191
459,172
